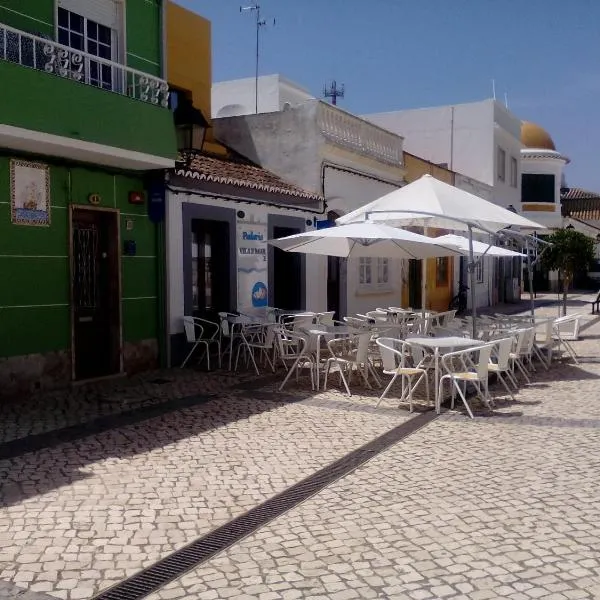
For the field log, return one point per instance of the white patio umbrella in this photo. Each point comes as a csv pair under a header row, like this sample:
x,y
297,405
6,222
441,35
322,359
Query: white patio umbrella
x,y
367,240
479,248
428,202
360,240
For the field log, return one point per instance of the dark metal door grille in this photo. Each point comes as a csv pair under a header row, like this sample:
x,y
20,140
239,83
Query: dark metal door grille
x,y
191,556
85,251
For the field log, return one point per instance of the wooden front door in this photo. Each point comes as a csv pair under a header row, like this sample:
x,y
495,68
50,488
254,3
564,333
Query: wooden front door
x,y
95,293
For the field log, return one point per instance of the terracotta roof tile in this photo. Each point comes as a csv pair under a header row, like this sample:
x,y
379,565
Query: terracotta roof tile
x,y
584,208
578,194
244,174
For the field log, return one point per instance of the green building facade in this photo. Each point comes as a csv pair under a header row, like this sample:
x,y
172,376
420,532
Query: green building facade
x,y
85,129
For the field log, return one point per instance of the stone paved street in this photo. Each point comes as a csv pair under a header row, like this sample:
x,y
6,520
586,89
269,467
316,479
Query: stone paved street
x,y
505,506
84,515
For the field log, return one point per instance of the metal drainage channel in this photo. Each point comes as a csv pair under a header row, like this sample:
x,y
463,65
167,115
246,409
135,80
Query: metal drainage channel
x,y
201,550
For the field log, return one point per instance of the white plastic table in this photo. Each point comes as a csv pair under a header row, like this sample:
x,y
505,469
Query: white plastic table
x,y
443,345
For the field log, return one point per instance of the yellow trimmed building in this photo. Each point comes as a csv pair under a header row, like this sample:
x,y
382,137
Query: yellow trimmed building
x,y
440,271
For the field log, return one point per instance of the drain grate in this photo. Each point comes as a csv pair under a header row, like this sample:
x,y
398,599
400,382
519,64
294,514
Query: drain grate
x,y
180,562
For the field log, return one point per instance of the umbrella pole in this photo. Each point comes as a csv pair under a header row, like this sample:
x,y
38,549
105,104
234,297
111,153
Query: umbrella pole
x,y
424,281
472,283
530,279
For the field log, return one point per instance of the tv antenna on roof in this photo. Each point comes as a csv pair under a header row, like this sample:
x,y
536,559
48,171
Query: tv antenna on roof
x,y
334,92
255,7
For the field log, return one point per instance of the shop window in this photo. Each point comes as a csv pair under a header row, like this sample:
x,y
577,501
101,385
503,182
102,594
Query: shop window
x,y
374,273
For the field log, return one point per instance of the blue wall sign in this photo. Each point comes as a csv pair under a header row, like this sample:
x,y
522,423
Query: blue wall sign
x,y
156,202
325,224
260,296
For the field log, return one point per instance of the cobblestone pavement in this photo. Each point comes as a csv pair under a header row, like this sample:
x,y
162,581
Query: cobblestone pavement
x,y
505,506
84,515
56,409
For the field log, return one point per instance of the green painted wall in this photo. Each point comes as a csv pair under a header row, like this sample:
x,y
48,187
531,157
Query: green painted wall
x,y
144,35
83,112
34,263
33,17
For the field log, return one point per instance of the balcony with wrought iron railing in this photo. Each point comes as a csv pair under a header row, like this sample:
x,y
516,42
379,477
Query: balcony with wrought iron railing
x,y
50,57
358,135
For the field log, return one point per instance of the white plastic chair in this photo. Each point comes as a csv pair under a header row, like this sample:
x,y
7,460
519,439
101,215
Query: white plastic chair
x,y
396,356
202,332
257,337
294,347
227,335
500,363
562,337
469,372
519,351
193,335
347,353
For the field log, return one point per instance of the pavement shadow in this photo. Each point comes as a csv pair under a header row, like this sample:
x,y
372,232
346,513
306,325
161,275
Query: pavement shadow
x,y
35,471
38,472
38,413
564,372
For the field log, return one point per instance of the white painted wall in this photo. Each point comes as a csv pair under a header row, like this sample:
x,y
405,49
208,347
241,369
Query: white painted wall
x,y
286,143
238,96
345,192
291,144
466,138
459,136
254,213
508,139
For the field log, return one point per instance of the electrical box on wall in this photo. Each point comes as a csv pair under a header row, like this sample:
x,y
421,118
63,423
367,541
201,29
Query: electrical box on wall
x,y
129,248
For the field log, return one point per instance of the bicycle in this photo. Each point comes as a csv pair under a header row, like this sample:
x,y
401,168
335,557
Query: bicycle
x,y
459,302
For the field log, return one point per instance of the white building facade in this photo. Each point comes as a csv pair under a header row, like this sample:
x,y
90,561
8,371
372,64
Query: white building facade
x,y
488,268
219,215
238,97
481,140
481,143
346,159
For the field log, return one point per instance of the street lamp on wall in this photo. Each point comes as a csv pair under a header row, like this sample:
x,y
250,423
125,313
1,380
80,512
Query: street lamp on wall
x,y
191,128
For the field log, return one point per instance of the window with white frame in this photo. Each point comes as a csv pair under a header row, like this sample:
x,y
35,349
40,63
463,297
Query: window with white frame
x,y
479,270
514,172
86,35
374,273
93,28
501,166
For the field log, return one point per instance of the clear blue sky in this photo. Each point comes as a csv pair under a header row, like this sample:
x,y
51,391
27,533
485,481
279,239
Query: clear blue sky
x,y
394,54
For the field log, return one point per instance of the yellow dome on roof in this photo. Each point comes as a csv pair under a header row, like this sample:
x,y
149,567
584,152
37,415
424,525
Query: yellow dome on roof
x,y
534,136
